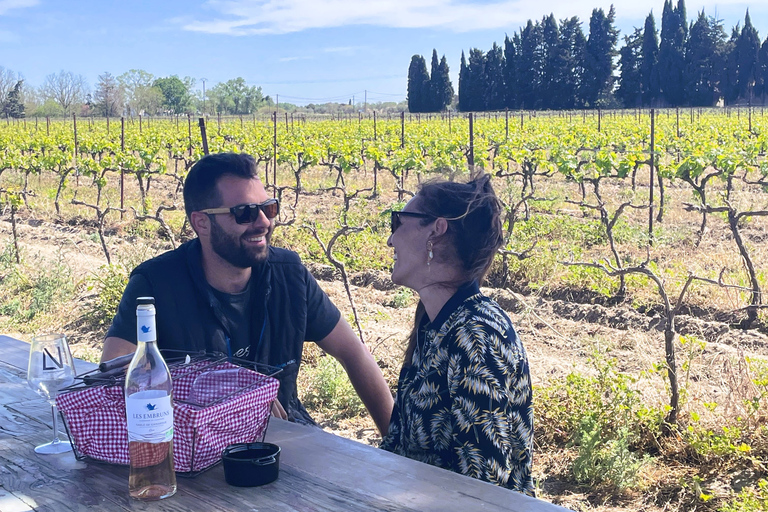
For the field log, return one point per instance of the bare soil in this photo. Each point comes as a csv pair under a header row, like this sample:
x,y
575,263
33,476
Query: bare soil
x,y
560,330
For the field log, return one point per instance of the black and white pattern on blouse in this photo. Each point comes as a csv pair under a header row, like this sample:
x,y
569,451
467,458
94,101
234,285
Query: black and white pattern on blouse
x,y
465,403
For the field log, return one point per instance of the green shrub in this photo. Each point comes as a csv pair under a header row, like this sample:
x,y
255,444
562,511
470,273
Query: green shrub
x,y
605,460
328,390
32,291
604,418
750,499
108,283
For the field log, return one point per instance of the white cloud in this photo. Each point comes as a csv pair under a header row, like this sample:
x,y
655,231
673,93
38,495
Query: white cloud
x,y
253,17
291,59
8,5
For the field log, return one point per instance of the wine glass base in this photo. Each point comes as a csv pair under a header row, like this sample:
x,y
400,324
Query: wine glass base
x,y
54,447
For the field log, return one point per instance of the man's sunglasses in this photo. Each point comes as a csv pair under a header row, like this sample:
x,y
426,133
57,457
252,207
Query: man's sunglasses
x,y
247,213
396,219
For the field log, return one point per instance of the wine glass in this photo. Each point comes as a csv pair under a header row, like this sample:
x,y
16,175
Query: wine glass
x,y
50,369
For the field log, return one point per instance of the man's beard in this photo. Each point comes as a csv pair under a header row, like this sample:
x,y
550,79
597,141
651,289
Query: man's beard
x,y
231,249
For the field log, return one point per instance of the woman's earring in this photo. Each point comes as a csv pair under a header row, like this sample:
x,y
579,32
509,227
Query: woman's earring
x,y
429,252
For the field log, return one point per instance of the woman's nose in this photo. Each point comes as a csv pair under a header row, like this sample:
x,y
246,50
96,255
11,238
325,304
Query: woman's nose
x,y
389,241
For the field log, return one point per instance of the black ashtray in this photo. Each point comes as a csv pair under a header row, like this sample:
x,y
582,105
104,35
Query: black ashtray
x,y
251,464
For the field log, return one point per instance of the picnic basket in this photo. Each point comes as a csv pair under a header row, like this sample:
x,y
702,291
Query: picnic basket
x,y
216,403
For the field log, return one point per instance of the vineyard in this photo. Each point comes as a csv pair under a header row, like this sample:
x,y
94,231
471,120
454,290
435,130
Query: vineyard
x,y
634,266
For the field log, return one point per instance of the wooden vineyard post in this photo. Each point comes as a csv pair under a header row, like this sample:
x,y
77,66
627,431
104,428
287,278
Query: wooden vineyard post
x,y
189,126
203,135
374,126
599,120
274,155
402,130
522,121
506,123
471,159
47,125
651,176
450,130
77,172
122,169
140,123
677,121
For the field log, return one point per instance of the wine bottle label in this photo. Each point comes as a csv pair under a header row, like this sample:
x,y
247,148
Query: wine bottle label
x,y
145,329
150,416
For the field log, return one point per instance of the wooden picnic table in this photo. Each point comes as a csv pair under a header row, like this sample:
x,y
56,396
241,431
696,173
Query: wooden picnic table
x,y
318,470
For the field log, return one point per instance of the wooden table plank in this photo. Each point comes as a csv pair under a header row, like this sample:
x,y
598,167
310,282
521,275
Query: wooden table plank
x,y
318,472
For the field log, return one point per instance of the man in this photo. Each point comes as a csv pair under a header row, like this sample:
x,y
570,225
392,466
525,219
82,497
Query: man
x,y
229,291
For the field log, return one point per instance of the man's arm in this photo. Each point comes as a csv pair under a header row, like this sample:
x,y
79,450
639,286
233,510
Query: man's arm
x,y
116,347
363,372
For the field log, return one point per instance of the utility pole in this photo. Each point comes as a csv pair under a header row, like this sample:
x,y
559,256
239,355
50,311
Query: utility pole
x,y
277,102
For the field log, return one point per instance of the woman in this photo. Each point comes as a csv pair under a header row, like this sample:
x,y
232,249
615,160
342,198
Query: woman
x,y
464,395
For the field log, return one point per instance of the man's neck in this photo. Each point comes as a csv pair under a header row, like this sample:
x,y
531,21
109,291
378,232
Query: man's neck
x,y
223,276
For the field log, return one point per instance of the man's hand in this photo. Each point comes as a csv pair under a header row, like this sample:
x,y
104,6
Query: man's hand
x,y
363,372
278,411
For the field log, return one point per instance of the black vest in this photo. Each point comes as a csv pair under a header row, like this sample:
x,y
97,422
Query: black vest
x,y
190,318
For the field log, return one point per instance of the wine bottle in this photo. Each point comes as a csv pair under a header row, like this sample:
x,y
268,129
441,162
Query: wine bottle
x,y
149,413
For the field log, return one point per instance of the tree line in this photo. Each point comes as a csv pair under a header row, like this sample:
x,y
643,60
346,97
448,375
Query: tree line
x,y
138,92
553,65
132,93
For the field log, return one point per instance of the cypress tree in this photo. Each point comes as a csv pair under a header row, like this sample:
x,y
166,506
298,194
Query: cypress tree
x,y
761,88
510,71
747,49
494,79
550,38
476,82
570,62
418,84
529,66
702,62
13,106
598,61
444,89
649,63
672,53
630,89
432,103
463,85
728,76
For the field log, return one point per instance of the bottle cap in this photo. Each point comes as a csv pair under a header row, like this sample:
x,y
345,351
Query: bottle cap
x,y
140,301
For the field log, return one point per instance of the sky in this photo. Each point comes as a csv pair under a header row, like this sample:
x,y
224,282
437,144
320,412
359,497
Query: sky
x,y
300,51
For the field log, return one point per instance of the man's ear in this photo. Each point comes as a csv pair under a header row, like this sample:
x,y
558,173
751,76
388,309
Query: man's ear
x,y
201,223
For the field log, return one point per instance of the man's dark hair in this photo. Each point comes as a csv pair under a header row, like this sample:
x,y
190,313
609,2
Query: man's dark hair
x,y
200,190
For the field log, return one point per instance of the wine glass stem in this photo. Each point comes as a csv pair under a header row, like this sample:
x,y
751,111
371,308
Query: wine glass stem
x,y
55,424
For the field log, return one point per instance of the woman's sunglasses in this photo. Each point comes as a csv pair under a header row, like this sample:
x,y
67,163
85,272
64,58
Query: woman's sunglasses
x,y
247,213
396,220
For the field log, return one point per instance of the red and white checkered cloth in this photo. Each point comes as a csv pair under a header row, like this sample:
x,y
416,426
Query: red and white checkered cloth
x,y
95,416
